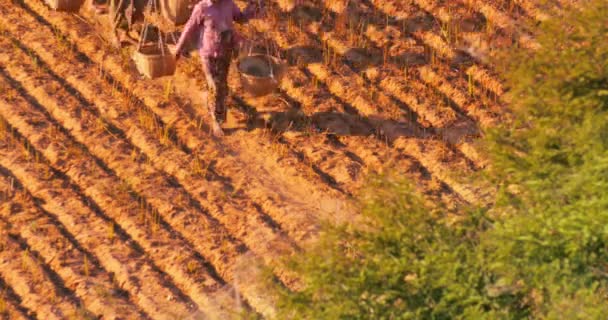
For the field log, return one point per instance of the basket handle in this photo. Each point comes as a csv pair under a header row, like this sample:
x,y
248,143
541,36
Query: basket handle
x,y
270,64
267,48
144,32
246,48
152,5
143,35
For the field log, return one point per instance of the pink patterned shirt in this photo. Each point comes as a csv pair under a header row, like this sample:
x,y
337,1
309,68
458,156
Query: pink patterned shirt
x,y
208,20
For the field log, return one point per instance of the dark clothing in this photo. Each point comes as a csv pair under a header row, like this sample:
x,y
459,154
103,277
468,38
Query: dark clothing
x,y
123,13
211,28
216,73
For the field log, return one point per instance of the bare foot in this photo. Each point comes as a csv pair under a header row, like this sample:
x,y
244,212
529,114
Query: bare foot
x,y
217,129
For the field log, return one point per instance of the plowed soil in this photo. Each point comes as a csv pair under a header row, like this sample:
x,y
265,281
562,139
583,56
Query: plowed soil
x,y
117,203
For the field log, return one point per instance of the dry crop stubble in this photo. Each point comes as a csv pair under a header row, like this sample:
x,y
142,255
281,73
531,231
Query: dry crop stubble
x,y
391,81
184,130
88,229
338,86
149,119
46,236
114,162
202,288
104,155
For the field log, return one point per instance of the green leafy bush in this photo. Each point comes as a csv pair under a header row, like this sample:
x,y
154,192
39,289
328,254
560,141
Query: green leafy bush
x,y
539,252
552,165
381,267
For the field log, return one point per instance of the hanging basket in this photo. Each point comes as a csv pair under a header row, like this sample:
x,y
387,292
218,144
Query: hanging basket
x,y
260,74
176,11
160,21
65,5
152,63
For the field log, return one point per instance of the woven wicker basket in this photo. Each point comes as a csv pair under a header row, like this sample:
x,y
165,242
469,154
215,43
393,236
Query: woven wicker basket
x,y
152,63
65,5
260,74
177,11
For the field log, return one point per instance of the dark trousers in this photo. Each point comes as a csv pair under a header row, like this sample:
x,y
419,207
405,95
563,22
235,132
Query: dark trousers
x,y
216,74
123,13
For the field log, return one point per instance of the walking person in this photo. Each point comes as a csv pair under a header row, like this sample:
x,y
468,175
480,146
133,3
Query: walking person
x,y
211,25
122,14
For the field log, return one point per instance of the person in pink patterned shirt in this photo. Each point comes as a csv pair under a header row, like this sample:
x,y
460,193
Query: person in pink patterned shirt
x,y
211,26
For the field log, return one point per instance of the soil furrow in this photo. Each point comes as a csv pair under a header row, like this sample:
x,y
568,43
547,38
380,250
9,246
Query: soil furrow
x,y
439,168
134,271
283,113
500,19
153,95
166,204
443,168
10,304
311,108
406,166
154,144
341,80
384,37
486,116
455,129
276,188
486,80
440,161
79,270
454,26
241,218
354,143
451,126
23,272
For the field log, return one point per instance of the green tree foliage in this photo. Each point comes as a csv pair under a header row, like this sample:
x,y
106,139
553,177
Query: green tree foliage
x,y
400,261
540,252
552,164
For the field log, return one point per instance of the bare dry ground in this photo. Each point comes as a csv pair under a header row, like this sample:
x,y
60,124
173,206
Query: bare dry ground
x,y
116,202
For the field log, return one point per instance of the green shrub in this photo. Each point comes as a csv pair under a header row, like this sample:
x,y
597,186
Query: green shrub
x,y
539,252
552,165
400,261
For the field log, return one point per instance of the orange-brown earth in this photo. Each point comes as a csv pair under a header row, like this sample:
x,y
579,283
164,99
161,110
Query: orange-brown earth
x,y
115,201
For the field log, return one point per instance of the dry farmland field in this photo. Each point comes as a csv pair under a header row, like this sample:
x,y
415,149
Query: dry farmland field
x,y
115,202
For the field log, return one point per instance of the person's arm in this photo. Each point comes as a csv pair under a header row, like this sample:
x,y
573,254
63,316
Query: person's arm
x,y
194,23
253,10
